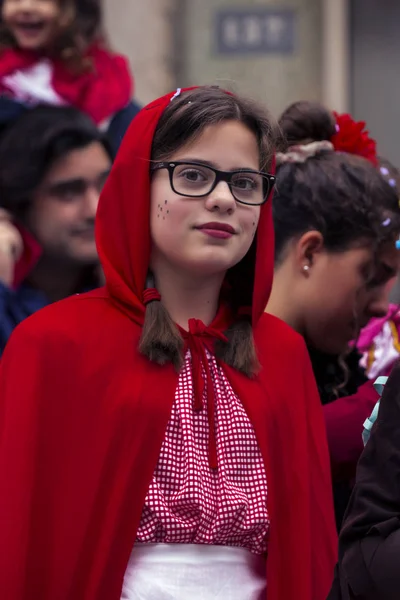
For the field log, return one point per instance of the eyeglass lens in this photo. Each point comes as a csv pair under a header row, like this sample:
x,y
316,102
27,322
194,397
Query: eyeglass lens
x,y
197,180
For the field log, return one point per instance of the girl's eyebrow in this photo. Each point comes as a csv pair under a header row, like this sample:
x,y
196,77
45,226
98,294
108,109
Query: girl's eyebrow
x,y
210,163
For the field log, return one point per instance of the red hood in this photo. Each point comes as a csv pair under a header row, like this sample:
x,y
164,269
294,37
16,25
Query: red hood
x,y
123,231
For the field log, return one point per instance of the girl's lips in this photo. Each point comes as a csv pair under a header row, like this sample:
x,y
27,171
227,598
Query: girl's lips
x,y
216,233
217,230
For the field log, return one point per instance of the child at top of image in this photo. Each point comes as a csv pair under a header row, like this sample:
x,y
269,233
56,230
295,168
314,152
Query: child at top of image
x,y
52,52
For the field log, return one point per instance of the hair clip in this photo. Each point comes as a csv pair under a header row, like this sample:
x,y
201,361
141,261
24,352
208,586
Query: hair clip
x,y
398,244
177,93
384,170
392,182
301,153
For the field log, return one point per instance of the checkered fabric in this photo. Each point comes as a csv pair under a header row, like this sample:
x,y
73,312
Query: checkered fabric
x,y
188,501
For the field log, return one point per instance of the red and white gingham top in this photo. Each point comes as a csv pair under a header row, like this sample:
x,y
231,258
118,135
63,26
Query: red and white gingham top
x,y
188,501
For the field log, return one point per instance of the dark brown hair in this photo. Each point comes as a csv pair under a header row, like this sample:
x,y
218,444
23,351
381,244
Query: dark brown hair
x,y
39,137
390,173
341,195
80,26
184,120
305,122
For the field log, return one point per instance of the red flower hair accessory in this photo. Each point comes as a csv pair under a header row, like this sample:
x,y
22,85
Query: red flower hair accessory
x,y
352,137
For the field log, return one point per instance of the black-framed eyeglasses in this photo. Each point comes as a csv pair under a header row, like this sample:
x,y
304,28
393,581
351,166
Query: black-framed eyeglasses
x,y
195,180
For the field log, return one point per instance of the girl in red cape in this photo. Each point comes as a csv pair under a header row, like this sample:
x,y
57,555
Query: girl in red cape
x,y
152,446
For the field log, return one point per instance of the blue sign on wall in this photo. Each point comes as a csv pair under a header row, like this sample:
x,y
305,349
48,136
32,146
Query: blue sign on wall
x,y
255,31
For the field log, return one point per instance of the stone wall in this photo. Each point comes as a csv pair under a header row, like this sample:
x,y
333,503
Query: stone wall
x,y
141,30
172,42
273,78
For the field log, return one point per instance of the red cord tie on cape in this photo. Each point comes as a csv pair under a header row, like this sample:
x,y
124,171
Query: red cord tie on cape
x,y
199,339
150,295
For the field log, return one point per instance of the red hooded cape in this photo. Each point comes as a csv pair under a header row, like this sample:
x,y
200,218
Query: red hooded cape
x,y
83,417
100,92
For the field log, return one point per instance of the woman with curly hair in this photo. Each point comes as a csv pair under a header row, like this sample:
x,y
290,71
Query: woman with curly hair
x,y
336,223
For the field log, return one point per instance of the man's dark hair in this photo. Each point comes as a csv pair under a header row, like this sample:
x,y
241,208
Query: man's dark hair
x,y
31,145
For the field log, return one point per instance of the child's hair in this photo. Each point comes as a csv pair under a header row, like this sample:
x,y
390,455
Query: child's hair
x,y
184,120
341,195
83,23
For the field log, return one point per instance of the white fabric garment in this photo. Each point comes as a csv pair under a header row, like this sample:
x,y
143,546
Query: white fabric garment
x,y
194,571
33,85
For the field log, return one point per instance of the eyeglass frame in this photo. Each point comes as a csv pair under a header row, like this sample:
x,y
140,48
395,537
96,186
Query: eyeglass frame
x,y
219,176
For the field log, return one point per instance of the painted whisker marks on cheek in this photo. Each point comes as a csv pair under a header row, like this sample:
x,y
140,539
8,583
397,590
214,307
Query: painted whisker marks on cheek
x,y
161,212
167,212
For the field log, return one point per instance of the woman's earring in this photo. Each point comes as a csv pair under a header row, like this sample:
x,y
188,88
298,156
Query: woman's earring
x,y
306,268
